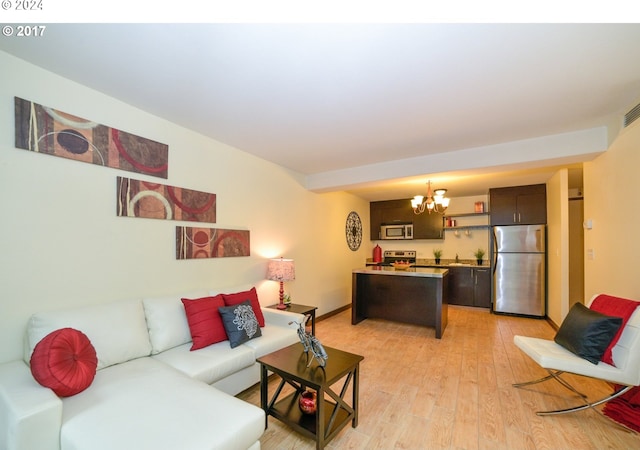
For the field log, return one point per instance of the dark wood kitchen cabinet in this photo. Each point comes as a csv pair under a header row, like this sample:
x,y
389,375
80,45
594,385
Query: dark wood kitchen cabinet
x,y
482,287
461,286
389,212
425,226
470,286
518,205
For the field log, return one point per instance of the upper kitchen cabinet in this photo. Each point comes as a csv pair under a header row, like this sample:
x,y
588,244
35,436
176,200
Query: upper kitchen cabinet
x,y
518,205
425,225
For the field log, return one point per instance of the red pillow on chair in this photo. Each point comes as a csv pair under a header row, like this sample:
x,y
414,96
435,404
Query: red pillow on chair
x,y
617,307
64,361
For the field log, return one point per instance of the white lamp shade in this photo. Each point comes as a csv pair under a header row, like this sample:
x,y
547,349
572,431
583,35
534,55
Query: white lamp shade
x,y
281,270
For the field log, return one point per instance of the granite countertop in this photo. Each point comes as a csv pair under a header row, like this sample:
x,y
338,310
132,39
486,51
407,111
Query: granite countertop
x,y
444,263
410,272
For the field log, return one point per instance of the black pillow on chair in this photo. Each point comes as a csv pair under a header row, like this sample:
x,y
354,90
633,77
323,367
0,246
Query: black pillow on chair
x,y
587,333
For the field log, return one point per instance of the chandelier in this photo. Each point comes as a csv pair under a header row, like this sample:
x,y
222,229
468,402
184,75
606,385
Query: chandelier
x,y
436,203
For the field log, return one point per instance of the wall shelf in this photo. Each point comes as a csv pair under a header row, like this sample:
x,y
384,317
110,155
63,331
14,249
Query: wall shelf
x,y
465,219
468,227
467,214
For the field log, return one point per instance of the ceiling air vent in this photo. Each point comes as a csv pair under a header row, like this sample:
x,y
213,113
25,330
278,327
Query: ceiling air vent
x,y
632,115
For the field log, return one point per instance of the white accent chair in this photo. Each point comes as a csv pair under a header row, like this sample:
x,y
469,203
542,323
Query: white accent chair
x,y
558,360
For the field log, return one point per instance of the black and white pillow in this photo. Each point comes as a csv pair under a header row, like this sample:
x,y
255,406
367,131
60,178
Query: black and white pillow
x,y
240,323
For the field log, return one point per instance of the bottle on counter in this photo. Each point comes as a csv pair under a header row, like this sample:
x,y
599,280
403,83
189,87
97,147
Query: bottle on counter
x,y
377,254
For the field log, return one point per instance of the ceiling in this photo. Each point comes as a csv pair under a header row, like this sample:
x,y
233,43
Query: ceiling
x,y
384,105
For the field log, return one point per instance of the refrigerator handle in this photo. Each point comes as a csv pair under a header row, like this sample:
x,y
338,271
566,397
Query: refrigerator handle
x,y
495,251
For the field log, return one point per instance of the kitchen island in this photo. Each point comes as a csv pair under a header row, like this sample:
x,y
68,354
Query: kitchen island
x,y
414,295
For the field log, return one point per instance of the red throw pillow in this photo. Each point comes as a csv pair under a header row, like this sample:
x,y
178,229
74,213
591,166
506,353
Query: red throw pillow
x,y
64,361
251,295
616,307
205,323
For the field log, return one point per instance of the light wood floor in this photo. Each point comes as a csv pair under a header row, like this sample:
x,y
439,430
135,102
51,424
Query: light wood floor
x,y
418,392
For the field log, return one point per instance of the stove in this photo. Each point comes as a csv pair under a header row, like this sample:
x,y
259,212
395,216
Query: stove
x,y
391,256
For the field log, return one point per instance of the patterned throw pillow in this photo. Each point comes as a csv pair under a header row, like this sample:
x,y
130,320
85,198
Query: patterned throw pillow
x,y
240,323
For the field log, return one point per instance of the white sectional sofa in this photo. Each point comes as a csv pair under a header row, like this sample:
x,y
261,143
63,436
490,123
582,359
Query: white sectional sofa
x,y
150,390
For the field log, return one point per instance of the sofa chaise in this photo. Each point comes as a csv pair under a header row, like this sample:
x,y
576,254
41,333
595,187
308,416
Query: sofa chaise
x,y
151,388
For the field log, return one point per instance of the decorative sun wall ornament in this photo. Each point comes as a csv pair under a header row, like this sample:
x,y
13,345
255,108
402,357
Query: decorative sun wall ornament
x,y
353,231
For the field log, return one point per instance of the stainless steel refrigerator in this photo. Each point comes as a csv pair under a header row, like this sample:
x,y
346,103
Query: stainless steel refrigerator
x,y
519,270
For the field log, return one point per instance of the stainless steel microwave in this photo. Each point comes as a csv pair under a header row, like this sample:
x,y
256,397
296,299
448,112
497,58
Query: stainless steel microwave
x,y
397,231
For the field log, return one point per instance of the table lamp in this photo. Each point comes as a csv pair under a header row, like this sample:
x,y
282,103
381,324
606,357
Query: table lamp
x,y
281,270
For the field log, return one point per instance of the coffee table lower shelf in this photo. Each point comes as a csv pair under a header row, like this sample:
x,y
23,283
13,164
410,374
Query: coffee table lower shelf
x,y
288,412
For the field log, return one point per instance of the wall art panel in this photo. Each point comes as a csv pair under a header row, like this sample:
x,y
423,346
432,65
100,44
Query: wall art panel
x,y
192,243
46,130
158,201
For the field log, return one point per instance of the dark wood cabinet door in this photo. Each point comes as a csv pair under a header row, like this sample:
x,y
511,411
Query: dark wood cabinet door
x,y
518,205
461,286
482,288
503,207
397,211
532,208
375,220
428,226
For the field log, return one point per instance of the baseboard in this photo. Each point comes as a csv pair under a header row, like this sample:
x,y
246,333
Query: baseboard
x,y
552,323
333,313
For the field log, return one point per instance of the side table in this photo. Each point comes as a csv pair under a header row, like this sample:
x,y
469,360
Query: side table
x,y
301,309
333,409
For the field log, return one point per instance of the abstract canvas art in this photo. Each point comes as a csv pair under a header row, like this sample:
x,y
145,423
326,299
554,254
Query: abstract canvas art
x,y
192,243
158,201
46,130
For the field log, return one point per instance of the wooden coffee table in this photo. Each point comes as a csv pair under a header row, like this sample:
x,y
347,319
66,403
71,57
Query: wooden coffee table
x,y
333,413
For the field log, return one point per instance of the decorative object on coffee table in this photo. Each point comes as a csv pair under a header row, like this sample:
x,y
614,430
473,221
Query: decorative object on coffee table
x,y
308,402
281,270
311,343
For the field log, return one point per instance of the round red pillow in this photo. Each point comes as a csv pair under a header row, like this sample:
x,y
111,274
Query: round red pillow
x,y
64,361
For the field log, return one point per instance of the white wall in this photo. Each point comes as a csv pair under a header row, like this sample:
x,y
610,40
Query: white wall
x,y
612,202
62,245
576,252
557,246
